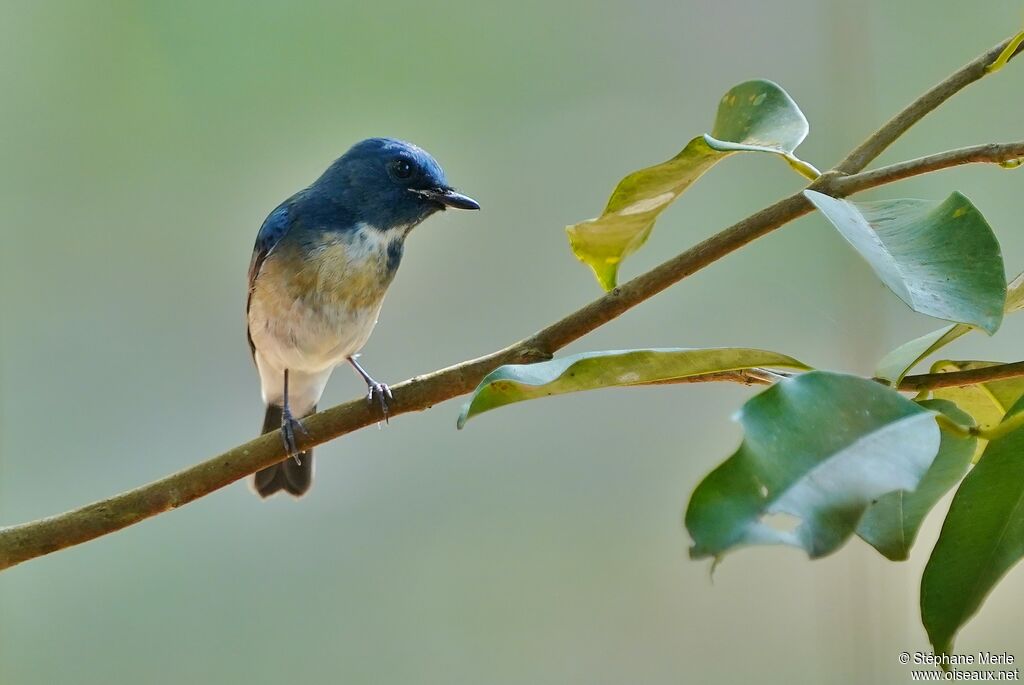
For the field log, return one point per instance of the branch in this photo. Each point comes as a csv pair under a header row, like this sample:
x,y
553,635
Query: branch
x,y
29,540
876,144
992,153
955,379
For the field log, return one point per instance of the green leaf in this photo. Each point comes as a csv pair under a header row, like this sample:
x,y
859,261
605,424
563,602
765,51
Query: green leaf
x,y
987,402
754,116
820,447
891,524
918,249
592,370
895,365
981,539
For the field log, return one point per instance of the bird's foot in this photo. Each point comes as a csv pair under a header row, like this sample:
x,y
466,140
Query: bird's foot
x,y
289,426
379,394
376,393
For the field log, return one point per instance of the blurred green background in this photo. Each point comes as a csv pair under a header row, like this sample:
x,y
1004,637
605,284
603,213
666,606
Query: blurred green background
x,y
144,142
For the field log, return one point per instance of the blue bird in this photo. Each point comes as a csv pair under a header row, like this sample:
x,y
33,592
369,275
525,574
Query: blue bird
x,y
322,263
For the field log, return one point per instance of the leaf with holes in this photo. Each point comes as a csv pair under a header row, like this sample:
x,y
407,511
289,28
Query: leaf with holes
x,y
820,447
941,259
755,116
890,525
592,370
982,538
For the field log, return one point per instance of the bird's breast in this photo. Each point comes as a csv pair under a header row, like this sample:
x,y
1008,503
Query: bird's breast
x,y
315,302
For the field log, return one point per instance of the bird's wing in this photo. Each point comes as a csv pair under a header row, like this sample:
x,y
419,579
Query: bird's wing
x,y
273,229
271,232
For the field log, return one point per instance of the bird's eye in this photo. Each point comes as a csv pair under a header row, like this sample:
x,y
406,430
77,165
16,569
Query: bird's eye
x,y
401,169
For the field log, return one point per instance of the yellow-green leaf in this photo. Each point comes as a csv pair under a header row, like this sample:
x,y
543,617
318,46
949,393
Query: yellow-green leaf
x,y
756,116
895,365
1015,294
987,402
592,370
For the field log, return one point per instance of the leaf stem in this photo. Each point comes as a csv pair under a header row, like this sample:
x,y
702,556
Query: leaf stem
x,y
955,428
805,169
1005,427
1012,48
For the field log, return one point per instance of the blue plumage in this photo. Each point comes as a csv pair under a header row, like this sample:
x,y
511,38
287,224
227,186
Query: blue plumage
x,y
272,229
322,263
373,190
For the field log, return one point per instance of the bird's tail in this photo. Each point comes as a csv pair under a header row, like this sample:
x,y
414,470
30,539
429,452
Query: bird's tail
x,y
290,476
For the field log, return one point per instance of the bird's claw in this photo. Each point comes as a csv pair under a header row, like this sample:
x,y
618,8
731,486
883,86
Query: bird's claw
x,y
376,393
289,426
379,394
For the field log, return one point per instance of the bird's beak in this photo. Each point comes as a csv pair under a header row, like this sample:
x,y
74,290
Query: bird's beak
x,y
448,197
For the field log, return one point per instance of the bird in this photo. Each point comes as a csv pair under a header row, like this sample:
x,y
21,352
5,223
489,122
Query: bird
x,y
322,263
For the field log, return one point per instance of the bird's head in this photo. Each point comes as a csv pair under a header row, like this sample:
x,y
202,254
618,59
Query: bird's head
x,y
389,183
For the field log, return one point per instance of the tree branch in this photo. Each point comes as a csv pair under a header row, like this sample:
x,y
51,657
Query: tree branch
x,y
955,379
29,540
876,144
992,153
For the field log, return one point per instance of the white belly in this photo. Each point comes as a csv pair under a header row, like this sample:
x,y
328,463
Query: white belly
x,y
309,344
311,310
311,339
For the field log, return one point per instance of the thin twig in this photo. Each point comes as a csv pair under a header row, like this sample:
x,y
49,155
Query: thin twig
x,y
992,153
36,538
1004,427
955,379
890,132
